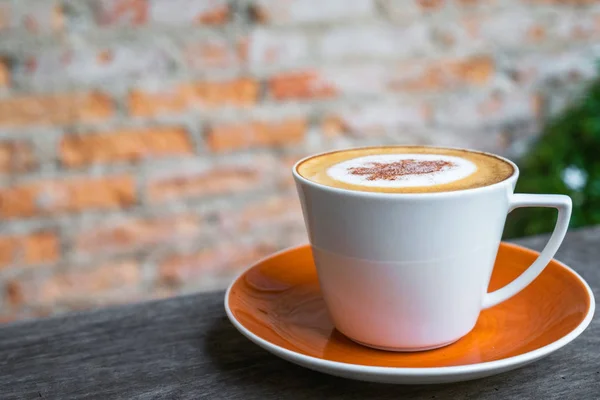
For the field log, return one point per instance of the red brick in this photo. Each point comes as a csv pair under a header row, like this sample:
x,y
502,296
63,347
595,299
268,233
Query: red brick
x,y
419,78
469,3
217,181
10,317
16,157
85,285
214,17
137,233
238,93
41,247
243,48
121,12
308,11
4,74
238,136
300,85
66,195
223,260
143,103
52,109
476,70
8,248
444,74
124,145
32,249
186,12
276,211
430,4
333,126
13,293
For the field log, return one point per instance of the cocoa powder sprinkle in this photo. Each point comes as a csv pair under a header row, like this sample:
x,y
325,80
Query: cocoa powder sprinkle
x,y
393,170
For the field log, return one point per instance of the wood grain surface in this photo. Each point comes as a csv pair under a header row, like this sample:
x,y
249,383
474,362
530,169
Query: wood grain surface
x,y
185,348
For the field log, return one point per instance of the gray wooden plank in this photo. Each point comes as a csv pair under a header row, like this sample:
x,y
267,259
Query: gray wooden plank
x,y
184,348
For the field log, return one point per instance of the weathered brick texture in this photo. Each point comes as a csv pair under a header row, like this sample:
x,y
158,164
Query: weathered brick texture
x,y
226,180
124,145
110,283
16,156
241,92
247,135
66,195
146,145
54,109
223,259
31,249
135,233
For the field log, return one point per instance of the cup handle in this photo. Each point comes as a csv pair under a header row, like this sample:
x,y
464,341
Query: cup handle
x,y
563,205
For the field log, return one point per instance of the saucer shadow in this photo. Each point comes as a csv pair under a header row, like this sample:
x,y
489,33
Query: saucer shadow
x,y
249,369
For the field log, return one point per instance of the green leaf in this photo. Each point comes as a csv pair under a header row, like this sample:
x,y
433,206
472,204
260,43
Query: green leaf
x,y
572,138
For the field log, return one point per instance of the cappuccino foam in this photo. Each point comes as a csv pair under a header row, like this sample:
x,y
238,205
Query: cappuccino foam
x,y
401,170
405,169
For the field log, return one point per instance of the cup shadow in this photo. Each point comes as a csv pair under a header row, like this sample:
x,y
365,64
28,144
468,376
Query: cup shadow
x,y
252,369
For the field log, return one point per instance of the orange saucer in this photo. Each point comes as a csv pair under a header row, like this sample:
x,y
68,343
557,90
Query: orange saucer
x,y
278,305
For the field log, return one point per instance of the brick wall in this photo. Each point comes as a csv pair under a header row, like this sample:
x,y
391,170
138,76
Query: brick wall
x,y
145,145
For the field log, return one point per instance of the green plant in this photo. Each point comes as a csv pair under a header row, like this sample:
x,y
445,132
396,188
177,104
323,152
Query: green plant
x,y
565,159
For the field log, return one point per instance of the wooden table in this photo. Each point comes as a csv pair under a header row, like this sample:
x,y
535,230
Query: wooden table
x,y
185,348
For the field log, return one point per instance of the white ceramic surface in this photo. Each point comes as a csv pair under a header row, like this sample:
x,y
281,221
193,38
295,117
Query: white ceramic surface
x,y
410,272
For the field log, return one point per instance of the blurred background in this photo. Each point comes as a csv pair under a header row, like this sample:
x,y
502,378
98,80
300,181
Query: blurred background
x,y
146,145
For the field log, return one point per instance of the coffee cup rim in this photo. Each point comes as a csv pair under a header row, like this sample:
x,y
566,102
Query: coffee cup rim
x,y
510,180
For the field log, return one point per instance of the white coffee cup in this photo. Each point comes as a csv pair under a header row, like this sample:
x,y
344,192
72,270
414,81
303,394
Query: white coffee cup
x,y
409,272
